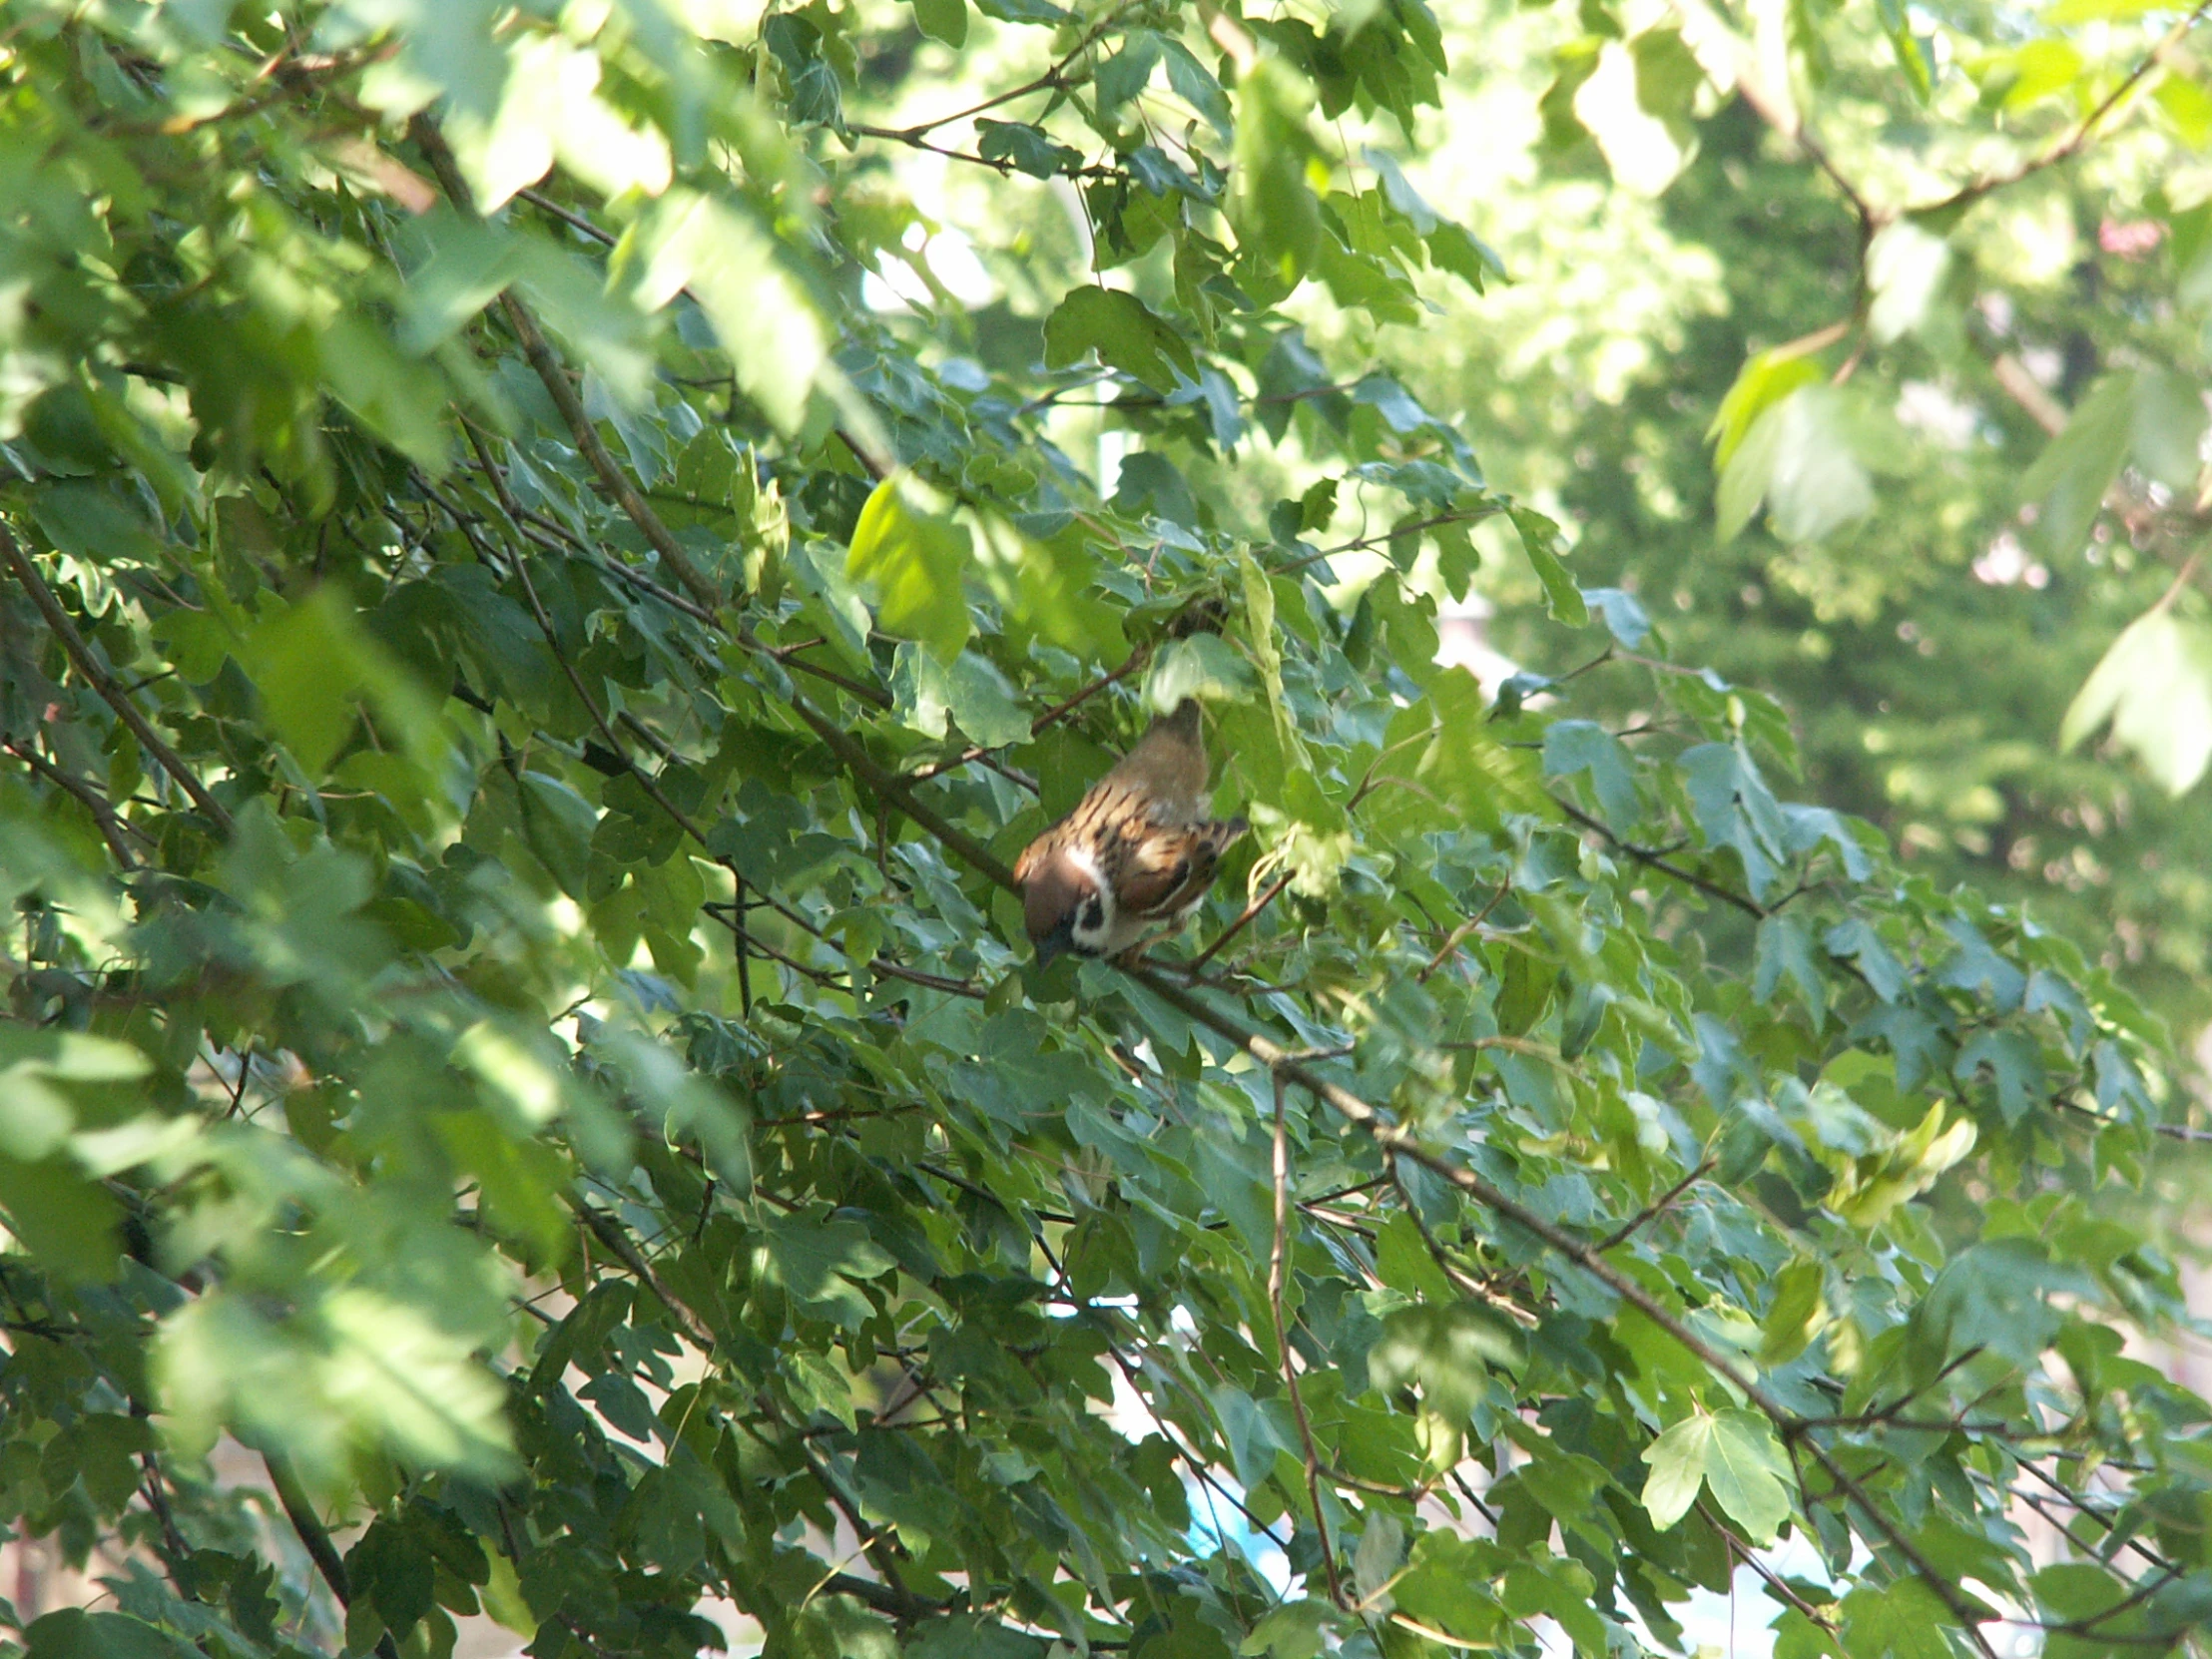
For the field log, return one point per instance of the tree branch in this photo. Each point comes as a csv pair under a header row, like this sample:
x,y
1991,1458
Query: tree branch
x,y
1250,910
316,1539
1651,860
111,823
555,380
1399,1139
101,680
1773,106
2083,131
894,791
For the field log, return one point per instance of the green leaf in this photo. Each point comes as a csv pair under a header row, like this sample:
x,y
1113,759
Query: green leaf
x,y
914,558
1260,642
1292,1630
1050,587
943,20
1905,267
1735,808
1271,205
392,396
1402,1260
2169,427
1203,666
1539,539
1381,1548
1562,1590
1027,149
2069,479
1677,1460
558,824
1572,745
1125,332
2015,1060
1749,1473
2032,71
2187,107
1450,1350
67,1220
766,321
1465,255
820,1261
1126,74
1869,1185
73,1633
2155,685
1197,86
1799,458
313,662
298,659
2065,14
1785,947
1764,380
1903,1619
1040,12
1797,1311
1915,54
968,689
2076,1590
1734,1455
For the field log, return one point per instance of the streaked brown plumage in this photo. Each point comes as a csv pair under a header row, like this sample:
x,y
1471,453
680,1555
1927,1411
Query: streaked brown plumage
x,y
1136,854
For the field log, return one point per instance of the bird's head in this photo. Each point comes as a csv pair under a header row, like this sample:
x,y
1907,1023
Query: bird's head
x,y
1065,906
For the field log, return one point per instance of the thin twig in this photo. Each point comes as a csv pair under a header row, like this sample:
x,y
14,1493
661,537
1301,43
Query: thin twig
x,y
893,789
101,680
1460,932
1060,711
1250,910
1774,107
1471,516
1652,860
1276,1272
1658,1207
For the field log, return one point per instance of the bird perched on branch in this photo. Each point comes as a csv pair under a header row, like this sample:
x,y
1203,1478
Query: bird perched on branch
x,y
1136,854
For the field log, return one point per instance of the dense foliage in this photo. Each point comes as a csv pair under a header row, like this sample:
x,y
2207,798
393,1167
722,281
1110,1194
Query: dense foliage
x,y
1925,620
526,663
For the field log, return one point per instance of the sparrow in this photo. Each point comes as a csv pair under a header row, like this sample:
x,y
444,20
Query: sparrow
x,y
1137,853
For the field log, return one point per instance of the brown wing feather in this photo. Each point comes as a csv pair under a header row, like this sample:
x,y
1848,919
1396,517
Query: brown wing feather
x,y
1165,869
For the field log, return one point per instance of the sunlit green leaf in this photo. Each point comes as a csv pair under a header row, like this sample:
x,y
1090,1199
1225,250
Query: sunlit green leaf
x,y
914,558
1125,332
2156,687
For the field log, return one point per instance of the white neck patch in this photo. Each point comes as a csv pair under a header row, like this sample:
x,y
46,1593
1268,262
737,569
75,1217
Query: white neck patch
x,y
1090,936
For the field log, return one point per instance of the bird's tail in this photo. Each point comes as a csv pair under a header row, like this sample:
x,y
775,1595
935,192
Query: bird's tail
x,y
1215,836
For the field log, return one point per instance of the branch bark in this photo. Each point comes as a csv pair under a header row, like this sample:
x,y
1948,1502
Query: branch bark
x,y
101,680
316,1539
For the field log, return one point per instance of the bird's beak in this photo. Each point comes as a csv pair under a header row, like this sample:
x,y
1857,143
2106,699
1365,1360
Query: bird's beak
x,y
1052,944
